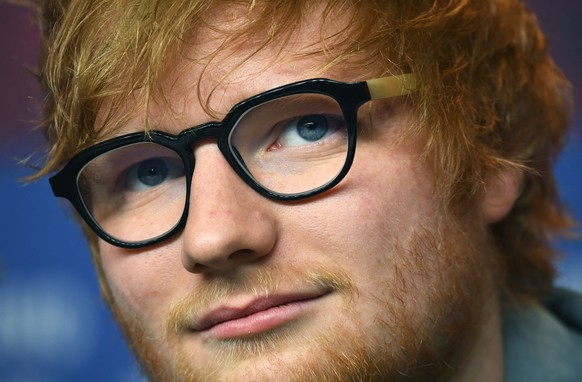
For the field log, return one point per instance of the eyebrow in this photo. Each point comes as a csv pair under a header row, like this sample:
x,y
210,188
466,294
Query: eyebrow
x,y
379,88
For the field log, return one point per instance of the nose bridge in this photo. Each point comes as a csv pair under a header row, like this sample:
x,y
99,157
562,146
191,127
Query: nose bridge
x,y
228,223
209,133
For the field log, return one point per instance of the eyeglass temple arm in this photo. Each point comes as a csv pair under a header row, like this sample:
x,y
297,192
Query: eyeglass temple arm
x,y
392,86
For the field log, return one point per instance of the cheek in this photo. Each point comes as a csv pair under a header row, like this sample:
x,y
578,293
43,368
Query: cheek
x,y
367,227
141,282
364,224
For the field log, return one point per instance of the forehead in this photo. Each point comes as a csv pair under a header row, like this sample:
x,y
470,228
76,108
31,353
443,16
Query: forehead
x,y
220,64
217,67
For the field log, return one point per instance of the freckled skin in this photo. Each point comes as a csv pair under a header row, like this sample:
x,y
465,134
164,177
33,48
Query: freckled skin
x,y
363,228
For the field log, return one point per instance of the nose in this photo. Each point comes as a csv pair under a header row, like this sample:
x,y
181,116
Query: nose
x,y
229,225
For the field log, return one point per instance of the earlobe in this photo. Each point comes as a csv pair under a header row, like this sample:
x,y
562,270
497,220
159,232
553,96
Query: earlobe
x,y
501,192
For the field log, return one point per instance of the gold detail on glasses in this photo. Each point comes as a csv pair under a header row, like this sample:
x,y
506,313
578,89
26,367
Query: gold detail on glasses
x,y
392,86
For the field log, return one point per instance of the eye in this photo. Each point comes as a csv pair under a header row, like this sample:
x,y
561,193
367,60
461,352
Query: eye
x,y
152,172
307,129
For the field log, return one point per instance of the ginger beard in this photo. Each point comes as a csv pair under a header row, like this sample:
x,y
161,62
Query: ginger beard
x,y
429,313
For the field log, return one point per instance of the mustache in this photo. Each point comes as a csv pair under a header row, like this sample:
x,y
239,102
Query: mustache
x,y
258,283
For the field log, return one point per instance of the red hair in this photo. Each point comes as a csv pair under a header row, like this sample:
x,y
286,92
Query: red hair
x,y
489,96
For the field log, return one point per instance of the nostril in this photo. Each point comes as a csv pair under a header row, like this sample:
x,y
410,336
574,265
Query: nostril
x,y
244,255
211,264
194,267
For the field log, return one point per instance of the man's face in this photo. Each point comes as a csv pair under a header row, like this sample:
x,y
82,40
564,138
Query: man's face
x,y
367,280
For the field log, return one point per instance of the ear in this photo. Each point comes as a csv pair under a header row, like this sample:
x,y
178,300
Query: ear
x,y
501,192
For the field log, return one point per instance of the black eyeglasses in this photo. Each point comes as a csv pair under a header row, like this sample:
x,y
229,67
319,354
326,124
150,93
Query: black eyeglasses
x,y
288,143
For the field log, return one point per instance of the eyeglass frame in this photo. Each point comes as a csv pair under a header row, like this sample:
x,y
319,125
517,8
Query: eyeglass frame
x,y
349,96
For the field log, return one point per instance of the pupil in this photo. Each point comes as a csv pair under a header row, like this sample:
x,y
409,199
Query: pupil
x,y
152,172
312,127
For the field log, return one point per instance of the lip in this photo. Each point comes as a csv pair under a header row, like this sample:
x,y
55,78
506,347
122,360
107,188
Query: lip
x,y
259,316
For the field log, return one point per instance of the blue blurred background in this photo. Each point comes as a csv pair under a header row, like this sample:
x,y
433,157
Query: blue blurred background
x,y
53,324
